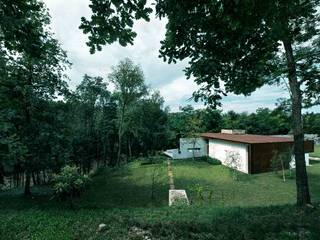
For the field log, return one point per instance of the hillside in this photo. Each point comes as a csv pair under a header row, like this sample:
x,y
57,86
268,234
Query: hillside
x,y
122,199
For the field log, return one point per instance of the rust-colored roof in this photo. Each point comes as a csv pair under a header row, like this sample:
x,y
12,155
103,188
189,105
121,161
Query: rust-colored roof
x,y
246,138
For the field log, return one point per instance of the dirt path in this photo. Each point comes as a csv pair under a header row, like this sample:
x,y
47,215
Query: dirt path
x,y
170,174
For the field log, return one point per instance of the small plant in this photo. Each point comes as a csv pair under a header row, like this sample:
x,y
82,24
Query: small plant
x,y
200,192
69,184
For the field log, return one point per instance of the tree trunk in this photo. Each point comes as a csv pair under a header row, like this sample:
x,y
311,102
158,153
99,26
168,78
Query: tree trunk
x,y
28,131
303,195
129,148
120,134
1,175
27,191
34,178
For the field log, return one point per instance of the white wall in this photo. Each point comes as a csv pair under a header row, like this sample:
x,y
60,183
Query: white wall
x,y
293,161
218,149
186,146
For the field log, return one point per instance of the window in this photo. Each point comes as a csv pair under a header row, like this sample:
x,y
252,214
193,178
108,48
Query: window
x,y
193,149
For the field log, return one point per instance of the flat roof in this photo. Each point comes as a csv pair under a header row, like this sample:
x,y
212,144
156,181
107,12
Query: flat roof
x,y
247,138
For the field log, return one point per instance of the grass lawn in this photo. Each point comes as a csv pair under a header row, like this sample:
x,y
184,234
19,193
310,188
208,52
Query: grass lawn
x,y
316,152
126,187
121,198
130,186
213,184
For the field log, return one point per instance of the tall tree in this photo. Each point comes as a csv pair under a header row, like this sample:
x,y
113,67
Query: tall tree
x,y
129,84
93,114
241,43
33,71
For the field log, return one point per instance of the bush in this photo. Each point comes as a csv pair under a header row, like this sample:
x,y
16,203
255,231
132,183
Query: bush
x,y
69,183
210,160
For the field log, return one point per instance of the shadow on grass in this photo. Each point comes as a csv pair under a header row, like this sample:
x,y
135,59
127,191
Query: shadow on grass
x,y
111,188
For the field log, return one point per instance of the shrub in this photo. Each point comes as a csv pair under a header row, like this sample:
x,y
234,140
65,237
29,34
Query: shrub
x,y
210,160
69,183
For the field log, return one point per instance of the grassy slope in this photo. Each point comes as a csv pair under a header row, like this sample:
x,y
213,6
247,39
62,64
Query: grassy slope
x,y
250,190
130,186
121,199
316,152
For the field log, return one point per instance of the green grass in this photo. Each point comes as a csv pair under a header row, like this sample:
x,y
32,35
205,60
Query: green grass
x,y
316,152
126,187
121,198
250,190
130,186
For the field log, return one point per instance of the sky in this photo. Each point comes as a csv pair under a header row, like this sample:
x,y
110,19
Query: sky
x,y
169,79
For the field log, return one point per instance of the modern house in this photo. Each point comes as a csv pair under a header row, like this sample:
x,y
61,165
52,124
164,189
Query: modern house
x,y
254,152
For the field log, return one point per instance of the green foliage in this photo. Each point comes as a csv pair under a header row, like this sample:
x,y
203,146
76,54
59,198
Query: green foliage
x,y
69,183
129,84
32,66
121,27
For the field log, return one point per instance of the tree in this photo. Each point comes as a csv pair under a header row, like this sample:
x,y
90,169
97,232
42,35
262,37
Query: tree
x,y
32,73
192,128
21,23
92,116
146,125
244,44
129,87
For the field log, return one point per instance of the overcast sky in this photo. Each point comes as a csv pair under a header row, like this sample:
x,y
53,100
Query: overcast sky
x,y
169,79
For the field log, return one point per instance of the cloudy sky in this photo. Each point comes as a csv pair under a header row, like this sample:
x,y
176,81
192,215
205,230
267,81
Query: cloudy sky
x,y
169,79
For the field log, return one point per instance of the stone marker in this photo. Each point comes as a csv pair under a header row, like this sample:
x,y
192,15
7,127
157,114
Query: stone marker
x,y
178,197
102,227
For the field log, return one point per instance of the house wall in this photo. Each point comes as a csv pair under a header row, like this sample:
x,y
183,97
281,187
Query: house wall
x,y
219,149
186,146
293,161
185,149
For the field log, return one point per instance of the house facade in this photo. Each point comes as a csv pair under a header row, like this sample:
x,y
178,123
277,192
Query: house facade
x,y
246,152
189,148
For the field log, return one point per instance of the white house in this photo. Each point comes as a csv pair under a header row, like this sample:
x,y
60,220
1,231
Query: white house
x,y
188,148
250,153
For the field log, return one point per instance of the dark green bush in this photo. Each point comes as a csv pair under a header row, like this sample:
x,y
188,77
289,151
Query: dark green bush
x,y
210,160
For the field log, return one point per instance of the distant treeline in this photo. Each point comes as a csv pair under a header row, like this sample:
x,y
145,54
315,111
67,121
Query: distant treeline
x,y
264,121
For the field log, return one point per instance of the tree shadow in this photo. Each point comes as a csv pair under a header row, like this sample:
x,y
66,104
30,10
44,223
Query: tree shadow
x,y
111,188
